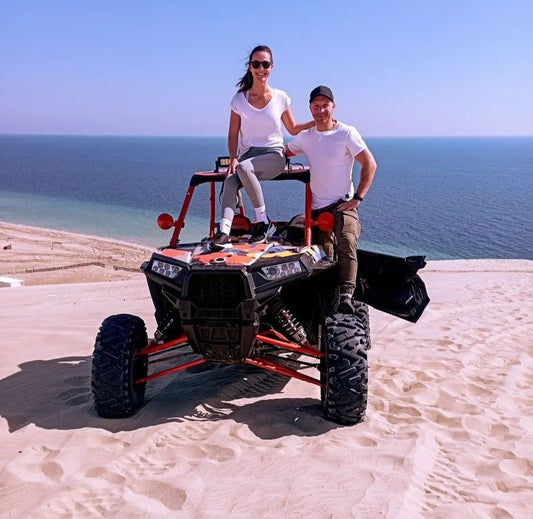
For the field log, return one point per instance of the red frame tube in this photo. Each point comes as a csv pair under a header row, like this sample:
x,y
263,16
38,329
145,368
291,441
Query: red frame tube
x,y
307,220
258,361
153,346
212,222
180,222
171,370
291,346
263,363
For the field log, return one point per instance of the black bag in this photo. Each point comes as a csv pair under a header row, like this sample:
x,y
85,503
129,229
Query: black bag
x,y
391,284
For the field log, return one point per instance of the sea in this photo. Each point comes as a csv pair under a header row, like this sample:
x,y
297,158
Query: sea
x,y
441,197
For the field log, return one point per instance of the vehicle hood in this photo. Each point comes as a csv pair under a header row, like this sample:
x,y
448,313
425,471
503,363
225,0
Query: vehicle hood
x,y
244,254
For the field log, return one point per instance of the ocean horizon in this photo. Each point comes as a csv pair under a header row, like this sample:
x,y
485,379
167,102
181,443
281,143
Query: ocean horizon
x,y
442,197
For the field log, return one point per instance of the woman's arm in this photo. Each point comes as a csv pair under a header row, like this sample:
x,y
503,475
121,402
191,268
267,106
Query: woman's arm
x,y
290,124
233,140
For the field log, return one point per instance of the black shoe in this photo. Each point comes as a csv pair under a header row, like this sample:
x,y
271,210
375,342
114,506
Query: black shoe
x,y
262,232
346,305
220,239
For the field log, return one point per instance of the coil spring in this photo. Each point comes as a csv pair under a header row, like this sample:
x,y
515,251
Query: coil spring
x,y
288,322
169,324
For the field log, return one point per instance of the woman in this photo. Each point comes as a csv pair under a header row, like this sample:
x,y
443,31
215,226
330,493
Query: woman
x,y
255,142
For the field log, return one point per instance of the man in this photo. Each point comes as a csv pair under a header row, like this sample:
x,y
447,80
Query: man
x,y
331,148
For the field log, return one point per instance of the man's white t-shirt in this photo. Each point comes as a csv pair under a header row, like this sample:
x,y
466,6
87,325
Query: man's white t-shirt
x,y
331,156
260,126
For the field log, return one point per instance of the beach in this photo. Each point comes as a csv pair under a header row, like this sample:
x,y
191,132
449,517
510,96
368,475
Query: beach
x,y
448,432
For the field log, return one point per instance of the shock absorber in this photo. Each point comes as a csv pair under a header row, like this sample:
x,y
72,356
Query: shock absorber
x,y
170,325
288,322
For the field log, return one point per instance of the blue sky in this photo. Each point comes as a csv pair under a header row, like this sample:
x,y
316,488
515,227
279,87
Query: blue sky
x,y
169,67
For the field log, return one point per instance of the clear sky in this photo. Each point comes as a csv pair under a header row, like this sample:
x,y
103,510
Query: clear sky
x,y
169,67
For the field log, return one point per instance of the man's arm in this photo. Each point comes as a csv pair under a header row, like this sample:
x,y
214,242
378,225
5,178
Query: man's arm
x,y
366,176
368,169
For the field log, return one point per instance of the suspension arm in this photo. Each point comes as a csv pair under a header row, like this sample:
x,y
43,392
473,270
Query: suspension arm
x,y
264,363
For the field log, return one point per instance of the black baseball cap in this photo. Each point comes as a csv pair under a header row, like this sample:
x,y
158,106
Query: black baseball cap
x,y
321,91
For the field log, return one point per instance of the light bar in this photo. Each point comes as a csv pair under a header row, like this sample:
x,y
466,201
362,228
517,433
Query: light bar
x,y
282,270
166,269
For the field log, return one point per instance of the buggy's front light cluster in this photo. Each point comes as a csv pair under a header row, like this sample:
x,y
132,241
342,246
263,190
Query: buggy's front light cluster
x,y
281,270
166,269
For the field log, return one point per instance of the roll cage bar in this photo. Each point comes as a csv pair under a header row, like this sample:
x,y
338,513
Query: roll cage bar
x,y
297,172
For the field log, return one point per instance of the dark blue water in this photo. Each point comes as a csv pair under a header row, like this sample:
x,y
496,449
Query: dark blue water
x,y
442,197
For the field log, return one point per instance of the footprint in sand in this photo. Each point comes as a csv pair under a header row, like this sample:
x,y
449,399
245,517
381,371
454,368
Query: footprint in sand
x,y
52,470
426,396
516,467
477,425
89,504
210,452
110,442
107,475
148,462
178,436
169,496
364,441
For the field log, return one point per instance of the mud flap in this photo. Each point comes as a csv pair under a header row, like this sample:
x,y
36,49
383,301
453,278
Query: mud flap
x,y
391,284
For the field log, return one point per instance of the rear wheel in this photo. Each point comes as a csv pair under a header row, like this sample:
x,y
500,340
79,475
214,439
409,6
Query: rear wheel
x,y
116,366
344,369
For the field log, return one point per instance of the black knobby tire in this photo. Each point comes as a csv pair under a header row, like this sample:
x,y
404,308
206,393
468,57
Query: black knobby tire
x,y
361,311
344,370
116,366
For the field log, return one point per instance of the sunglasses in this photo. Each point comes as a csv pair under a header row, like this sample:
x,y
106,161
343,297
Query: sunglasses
x,y
257,64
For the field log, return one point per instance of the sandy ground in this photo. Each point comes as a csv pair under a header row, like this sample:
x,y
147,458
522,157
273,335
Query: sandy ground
x,y
448,434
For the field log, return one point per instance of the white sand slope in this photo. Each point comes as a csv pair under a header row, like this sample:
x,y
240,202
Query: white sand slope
x,y
448,432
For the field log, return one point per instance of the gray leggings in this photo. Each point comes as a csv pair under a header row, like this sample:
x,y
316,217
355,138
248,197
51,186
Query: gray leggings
x,y
255,165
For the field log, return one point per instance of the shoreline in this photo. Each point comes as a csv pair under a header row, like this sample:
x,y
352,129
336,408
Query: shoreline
x,y
48,256
34,228
40,256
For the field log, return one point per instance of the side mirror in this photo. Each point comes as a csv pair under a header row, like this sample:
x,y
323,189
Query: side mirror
x,y
325,221
165,221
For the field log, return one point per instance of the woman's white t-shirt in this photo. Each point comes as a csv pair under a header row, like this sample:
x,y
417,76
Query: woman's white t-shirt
x,y
331,156
260,126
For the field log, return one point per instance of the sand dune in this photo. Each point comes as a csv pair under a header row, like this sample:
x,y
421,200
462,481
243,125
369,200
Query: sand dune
x,y
448,432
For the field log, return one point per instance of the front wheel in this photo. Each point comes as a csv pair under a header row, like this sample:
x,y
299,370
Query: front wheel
x,y
116,367
345,369
361,311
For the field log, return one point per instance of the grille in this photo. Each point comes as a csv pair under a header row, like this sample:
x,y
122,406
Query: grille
x,y
216,291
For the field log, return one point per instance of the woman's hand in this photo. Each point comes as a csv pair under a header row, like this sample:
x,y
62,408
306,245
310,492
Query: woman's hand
x,y
291,125
232,165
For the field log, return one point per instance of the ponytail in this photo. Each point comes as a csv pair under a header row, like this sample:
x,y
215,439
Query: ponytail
x,y
246,82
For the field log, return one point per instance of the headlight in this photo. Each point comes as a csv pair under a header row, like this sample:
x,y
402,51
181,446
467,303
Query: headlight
x,y
281,270
166,269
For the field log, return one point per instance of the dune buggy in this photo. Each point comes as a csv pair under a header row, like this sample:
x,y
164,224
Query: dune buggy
x,y
269,305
